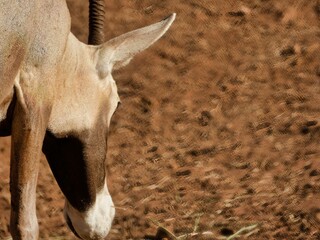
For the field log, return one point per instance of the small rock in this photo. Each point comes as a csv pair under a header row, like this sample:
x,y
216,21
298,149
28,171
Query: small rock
x,y
236,14
304,130
307,186
250,191
289,51
219,212
203,151
204,118
314,173
311,123
153,149
226,232
186,172
304,227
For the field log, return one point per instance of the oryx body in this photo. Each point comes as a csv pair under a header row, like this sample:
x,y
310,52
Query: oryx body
x,y
58,95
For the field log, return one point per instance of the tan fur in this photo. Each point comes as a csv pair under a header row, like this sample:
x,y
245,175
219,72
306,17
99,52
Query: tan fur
x,y
61,85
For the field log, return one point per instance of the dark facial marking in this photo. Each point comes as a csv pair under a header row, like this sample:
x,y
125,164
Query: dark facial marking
x,y
67,162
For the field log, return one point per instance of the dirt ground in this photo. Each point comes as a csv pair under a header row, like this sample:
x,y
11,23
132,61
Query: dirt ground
x,y
219,127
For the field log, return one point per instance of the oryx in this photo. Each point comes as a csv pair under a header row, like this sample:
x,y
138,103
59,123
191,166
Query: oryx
x,y
57,95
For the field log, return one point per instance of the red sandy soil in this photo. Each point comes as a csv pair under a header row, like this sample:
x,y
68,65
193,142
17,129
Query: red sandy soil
x,y
219,127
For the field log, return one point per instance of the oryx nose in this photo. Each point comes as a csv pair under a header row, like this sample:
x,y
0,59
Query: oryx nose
x,y
94,223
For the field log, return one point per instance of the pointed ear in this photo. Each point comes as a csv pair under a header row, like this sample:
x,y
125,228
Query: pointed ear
x,y
120,50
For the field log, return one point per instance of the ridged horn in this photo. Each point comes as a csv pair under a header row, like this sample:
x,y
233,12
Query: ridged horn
x,y
96,22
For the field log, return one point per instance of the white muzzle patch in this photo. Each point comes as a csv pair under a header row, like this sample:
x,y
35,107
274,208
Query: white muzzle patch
x,y
94,223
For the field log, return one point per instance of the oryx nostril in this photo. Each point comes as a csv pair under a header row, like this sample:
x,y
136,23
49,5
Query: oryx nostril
x,y
71,226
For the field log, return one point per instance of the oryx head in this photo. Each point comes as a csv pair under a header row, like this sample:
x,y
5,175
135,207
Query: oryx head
x,y
76,140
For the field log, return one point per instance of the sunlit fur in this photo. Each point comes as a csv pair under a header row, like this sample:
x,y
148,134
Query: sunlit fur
x,y
61,89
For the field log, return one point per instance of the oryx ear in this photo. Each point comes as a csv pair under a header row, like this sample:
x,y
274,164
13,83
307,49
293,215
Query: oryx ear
x,y
120,50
